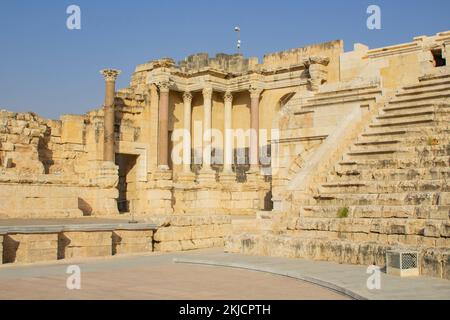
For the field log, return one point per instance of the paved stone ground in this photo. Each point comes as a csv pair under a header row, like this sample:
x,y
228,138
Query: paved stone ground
x,y
154,276
348,279
210,274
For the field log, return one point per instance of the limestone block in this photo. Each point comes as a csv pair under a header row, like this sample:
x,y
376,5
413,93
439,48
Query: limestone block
x,y
72,129
84,244
184,245
132,241
29,248
173,234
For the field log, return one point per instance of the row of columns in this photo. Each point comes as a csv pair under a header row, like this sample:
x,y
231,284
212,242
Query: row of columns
x,y
255,94
110,76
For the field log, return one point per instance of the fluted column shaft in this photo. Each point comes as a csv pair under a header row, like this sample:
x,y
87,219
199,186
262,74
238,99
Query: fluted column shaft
x,y
187,99
110,77
228,129
163,138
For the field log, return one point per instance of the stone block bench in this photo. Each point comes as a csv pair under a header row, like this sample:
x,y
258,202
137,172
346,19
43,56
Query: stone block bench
x,y
29,244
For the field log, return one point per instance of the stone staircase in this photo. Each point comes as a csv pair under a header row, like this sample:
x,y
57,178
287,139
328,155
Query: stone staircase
x,y
390,189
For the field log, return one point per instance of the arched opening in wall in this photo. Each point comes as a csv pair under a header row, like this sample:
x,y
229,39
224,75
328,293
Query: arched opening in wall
x,y
127,181
284,100
439,60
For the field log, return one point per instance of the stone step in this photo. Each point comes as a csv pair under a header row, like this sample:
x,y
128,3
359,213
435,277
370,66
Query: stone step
x,y
403,198
408,113
391,174
399,226
403,163
379,211
364,186
426,137
432,128
385,153
429,97
432,82
437,87
412,121
407,107
338,95
442,149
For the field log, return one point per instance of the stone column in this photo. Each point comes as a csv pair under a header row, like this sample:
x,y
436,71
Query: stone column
x,y
228,134
255,95
163,136
207,109
110,76
187,99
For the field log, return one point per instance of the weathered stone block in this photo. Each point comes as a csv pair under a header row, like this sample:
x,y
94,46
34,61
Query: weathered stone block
x,y
84,244
132,241
29,248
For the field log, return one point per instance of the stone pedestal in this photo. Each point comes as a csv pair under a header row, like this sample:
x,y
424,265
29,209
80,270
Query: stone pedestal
x,y
227,177
207,177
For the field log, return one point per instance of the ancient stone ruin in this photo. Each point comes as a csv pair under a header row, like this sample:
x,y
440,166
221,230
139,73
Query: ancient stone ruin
x,y
310,153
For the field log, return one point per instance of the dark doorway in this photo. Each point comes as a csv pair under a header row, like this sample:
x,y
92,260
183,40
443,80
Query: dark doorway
x,y
127,180
439,60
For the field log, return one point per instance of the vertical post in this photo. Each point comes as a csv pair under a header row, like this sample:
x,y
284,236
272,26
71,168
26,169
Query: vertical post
x,y
110,76
187,99
255,94
228,131
207,137
163,136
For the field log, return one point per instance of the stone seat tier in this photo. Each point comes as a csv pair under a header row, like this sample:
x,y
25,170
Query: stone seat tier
x,y
407,198
353,250
406,162
435,87
431,82
433,212
358,186
422,98
392,225
392,174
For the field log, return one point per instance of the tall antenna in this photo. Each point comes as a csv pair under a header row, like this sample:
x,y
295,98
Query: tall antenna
x,y
238,32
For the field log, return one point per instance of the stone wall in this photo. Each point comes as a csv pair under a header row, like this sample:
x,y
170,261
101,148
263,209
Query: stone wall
x,y
188,232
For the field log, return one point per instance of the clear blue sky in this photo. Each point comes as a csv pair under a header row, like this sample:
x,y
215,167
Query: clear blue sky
x,y
48,69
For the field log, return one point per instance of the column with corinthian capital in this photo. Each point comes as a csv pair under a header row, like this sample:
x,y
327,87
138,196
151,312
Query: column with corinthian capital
x,y
228,130
163,136
187,99
110,76
255,95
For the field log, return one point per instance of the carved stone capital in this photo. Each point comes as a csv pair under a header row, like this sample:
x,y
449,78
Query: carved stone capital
x,y
207,93
228,97
164,86
110,74
255,92
187,97
316,60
